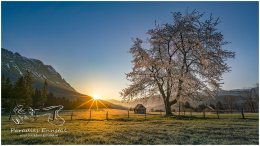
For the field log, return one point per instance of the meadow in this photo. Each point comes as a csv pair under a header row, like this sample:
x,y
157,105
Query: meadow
x,y
114,127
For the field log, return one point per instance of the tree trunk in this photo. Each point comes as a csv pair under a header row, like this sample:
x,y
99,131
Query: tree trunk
x,y
252,107
217,114
166,99
168,110
179,108
242,112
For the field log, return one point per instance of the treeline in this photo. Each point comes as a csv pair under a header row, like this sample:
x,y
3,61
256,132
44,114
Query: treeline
x,y
22,92
249,102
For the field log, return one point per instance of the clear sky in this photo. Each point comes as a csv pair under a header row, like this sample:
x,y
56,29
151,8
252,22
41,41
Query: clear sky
x,y
88,42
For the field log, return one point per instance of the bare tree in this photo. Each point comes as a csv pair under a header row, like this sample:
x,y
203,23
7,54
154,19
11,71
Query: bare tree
x,y
182,60
229,101
251,99
219,106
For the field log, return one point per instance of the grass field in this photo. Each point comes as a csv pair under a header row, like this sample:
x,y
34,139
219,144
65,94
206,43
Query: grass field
x,y
138,129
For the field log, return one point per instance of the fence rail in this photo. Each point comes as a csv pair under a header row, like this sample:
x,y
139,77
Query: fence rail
x,y
108,114
126,114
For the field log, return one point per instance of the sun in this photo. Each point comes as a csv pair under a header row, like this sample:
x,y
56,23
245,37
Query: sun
x,y
96,97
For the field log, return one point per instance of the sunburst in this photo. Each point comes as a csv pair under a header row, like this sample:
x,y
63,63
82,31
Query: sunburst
x,y
96,99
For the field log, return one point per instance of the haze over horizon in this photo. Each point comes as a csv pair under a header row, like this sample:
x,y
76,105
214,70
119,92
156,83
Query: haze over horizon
x,y
88,42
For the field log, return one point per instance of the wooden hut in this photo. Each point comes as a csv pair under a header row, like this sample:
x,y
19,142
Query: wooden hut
x,y
139,109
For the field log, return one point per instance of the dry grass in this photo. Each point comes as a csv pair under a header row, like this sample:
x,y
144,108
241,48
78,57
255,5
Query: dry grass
x,y
153,129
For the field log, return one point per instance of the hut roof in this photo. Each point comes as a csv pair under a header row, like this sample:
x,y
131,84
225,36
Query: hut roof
x,y
139,106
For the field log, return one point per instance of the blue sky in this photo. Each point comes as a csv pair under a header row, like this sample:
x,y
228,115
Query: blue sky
x,y
88,42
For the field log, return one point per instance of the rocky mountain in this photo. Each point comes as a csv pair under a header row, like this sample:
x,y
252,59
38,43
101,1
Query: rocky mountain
x,y
15,65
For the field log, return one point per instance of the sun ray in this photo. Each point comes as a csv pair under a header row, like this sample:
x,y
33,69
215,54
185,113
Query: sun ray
x,y
103,104
86,102
91,104
96,105
95,101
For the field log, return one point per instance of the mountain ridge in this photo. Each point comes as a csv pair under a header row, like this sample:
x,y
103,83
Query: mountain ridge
x,y
15,65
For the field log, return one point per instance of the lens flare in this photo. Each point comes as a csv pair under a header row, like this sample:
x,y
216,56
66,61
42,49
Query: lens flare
x,y
96,97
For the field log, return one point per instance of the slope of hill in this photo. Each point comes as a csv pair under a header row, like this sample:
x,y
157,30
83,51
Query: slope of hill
x,y
113,105
150,103
14,66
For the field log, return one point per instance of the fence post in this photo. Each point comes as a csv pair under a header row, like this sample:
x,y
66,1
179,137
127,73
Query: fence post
x,y
204,114
35,115
184,112
217,114
90,114
179,108
128,114
107,115
242,112
71,115
161,112
145,115
191,113
10,115
53,115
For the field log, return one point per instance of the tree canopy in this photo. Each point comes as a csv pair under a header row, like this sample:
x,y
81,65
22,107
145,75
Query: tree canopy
x,y
183,60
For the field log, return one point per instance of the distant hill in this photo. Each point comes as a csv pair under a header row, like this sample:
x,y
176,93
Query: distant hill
x,y
157,103
113,105
153,102
237,93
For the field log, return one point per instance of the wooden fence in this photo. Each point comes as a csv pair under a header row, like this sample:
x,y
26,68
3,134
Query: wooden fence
x,y
112,114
